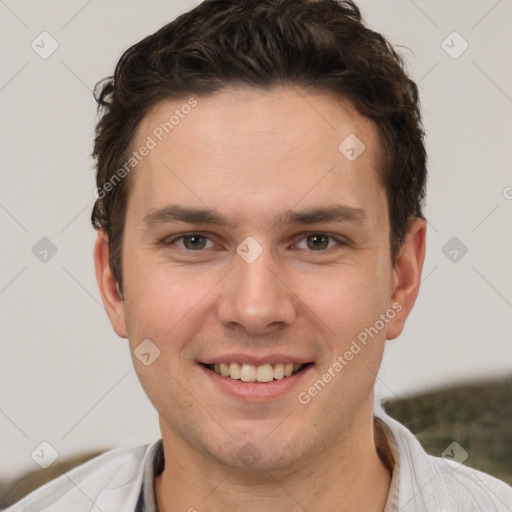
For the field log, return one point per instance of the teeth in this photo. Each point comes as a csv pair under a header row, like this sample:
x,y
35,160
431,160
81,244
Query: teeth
x,y
279,371
251,373
265,373
234,371
248,373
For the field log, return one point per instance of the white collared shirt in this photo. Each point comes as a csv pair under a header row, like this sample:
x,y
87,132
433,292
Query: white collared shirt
x,y
420,482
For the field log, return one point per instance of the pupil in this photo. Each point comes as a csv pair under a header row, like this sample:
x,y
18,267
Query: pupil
x,y
194,242
318,241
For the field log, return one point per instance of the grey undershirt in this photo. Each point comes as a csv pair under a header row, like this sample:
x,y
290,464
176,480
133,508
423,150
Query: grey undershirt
x,y
155,464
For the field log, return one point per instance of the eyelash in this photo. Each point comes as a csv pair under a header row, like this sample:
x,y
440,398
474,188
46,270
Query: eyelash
x,y
303,236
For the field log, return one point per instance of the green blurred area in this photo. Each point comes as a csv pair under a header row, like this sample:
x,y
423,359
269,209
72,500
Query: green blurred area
x,y
13,490
478,417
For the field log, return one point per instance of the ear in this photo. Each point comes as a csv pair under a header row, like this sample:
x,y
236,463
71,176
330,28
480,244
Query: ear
x,y
407,276
112,300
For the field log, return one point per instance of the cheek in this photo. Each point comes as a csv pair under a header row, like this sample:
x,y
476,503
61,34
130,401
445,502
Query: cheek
x,y
161,300
350,301
347,298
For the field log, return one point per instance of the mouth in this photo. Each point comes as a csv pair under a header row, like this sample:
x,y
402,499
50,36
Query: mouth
x,y
262,374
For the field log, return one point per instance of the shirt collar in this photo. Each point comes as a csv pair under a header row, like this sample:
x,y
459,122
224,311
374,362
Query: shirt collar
x,y
153,466
388,452
384,440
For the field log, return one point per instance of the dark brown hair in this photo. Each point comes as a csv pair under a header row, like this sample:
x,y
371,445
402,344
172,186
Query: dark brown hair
x,y
321,45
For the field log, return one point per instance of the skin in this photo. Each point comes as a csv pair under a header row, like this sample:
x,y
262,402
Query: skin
x,y
253,156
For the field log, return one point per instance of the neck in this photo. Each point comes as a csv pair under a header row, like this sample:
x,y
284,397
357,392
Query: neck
x,y
343,475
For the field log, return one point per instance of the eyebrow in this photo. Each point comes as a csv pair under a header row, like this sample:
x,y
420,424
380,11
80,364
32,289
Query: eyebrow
x,y
191,215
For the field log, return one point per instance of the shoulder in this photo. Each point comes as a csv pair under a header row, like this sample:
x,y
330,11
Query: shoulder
x,y
442,484
468,489
108,482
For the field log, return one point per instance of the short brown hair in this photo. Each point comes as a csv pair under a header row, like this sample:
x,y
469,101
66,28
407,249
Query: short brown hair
x,y
313,44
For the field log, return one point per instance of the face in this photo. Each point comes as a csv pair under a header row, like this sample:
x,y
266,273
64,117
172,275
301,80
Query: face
x,y
254,247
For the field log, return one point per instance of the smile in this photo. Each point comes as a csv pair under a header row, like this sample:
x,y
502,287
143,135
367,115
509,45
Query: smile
x,y
256,379
247,372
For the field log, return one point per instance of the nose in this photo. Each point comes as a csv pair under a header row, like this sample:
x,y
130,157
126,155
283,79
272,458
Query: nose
x,y
255,298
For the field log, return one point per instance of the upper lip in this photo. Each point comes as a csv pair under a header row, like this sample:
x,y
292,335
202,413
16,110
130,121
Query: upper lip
x,y
256,360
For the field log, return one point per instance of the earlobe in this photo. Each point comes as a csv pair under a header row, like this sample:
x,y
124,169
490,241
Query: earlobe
x,y
407,275
109,289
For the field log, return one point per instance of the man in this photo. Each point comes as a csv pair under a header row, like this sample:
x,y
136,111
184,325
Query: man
x,y
260,174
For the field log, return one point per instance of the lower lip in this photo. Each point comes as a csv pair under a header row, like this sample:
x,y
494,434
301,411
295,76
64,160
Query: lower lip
x,y
256,391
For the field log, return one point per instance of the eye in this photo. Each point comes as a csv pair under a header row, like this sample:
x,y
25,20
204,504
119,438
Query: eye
x,y
318,242
192,242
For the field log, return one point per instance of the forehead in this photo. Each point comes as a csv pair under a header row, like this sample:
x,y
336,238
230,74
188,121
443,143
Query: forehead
x,y
261,149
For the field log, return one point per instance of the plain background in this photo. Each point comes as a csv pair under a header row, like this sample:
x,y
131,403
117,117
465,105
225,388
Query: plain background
x,y
65,376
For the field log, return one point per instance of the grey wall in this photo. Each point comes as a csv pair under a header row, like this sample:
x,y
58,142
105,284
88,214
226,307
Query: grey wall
x,y
66,378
